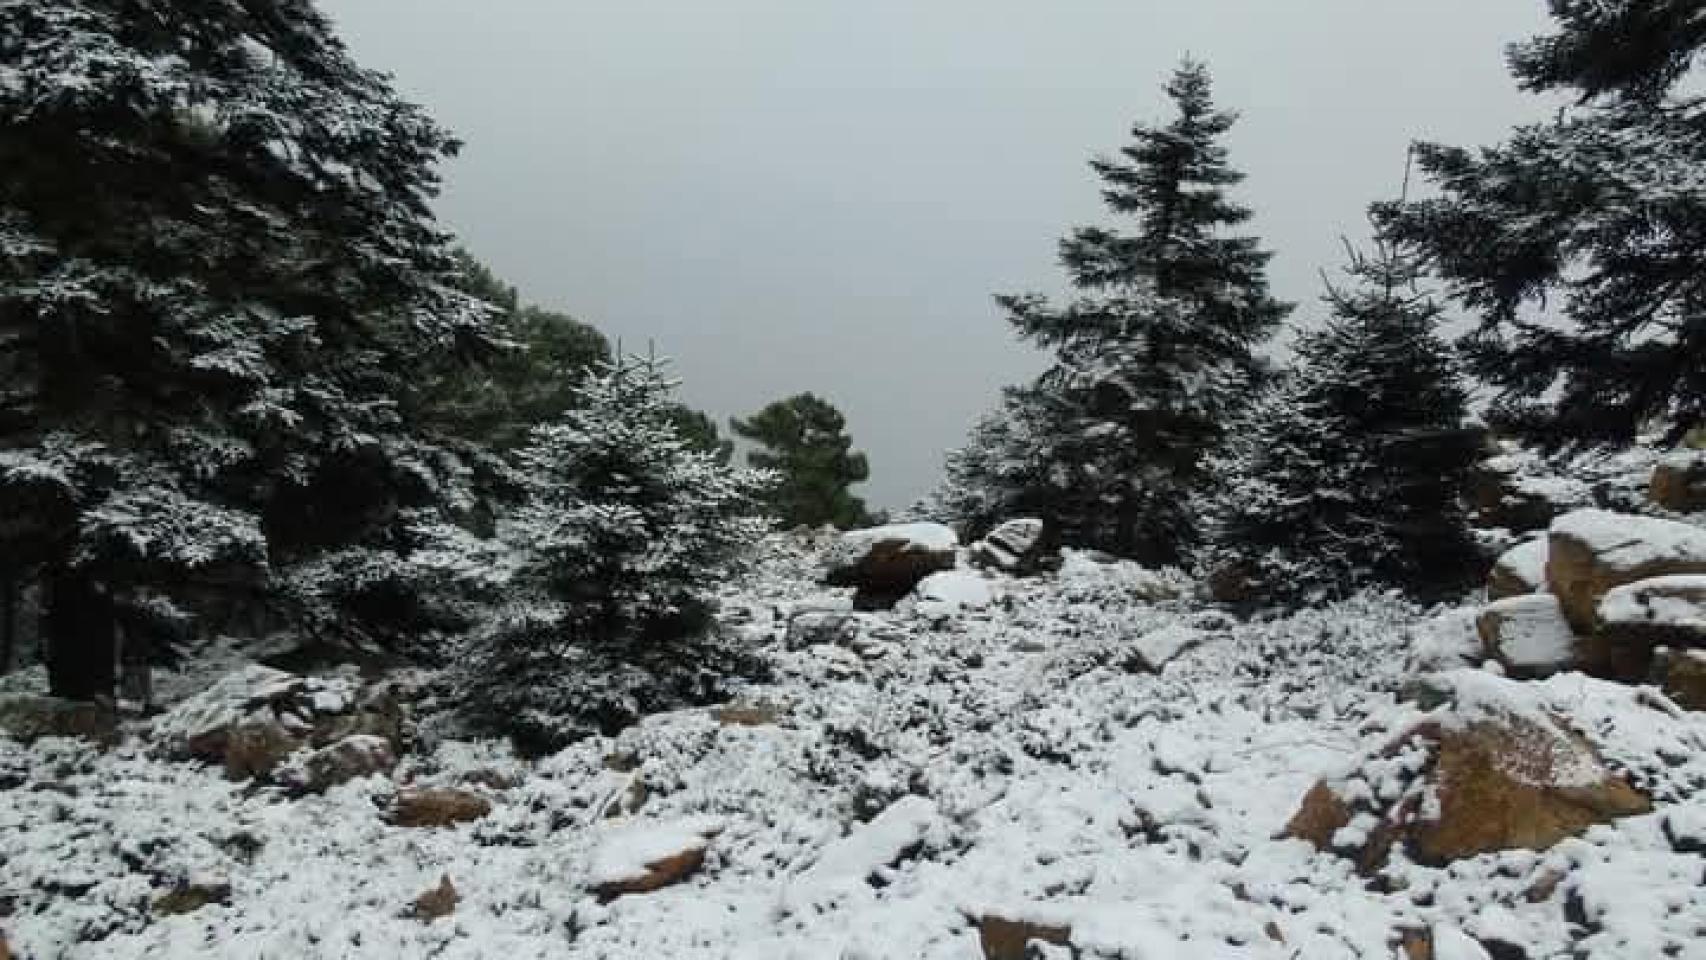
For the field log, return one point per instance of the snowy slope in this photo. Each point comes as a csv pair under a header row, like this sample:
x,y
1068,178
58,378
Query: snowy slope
x,y
1020,762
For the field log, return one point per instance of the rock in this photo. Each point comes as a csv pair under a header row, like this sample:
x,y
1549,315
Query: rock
x,y
950,592
1684,828
192,896
1155,649
1519,570
1499,775
1679,482
1501,496
1004,939
1682,676
250,720
642,857
813,627
888,838
436,807
28,717
1017,547
885,563
1591,552
745,715
440,901
357,755
1658,611
1528,635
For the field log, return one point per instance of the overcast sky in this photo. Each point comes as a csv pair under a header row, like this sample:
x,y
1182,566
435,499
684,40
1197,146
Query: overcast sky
x,y
823,195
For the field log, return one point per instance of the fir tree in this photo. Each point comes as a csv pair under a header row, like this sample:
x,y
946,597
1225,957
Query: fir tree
x,y
995,475
1156,351
627,532
1350,471
1581,242
804,440
217,266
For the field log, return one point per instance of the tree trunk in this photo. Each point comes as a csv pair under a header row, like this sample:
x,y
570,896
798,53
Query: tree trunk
x,y
79,634
8,623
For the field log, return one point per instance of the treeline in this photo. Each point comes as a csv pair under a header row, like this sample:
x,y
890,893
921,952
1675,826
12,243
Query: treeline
x,y
249,386
1161,432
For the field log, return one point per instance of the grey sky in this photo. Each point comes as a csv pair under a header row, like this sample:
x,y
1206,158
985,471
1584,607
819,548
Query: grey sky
x,y
792,195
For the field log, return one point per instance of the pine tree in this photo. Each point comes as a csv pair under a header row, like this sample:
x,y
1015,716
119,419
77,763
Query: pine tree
x,y
217,267
1350,471
804,440
627,532
994,476
1156,352
1581,242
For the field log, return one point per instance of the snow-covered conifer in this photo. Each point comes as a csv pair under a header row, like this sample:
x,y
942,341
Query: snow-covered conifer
x,y
1156,351
628,528
1350,470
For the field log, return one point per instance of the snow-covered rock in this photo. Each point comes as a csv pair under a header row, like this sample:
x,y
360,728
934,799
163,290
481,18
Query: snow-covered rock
x,y
642,857
1528,635
1590,552
1678,482
869,847
885,563
1015,547
28,717
1519,570
357,755
1493,770
950,592
436,807
1157,648
1669,609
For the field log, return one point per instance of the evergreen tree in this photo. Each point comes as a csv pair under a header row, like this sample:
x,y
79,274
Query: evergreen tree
x,y
493,399
218,268
994,476
1156,351
804,440
1581,242
627,532
701,434
1351,470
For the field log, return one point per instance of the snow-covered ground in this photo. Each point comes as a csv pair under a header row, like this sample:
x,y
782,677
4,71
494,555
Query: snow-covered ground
x,y
1016,759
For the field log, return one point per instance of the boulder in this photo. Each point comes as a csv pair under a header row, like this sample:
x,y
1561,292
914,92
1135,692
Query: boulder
x,y
1679,482
1682,676
1658,611
949,592
357,755
28,717
642,857
1005,939
438,902
1528,635
885,563
250,720
1018,547
1503,494
810,628
436,807
1519,570
192,896
1489,772
1591,552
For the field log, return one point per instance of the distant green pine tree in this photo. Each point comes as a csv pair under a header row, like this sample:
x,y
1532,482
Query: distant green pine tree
x,y
804,440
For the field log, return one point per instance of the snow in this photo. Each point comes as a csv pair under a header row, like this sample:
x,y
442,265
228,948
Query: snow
x,y
1159,647
1621,542
627,852
854,544
951,591
1678,600
1525,563
1007,764
1451,943
1532,632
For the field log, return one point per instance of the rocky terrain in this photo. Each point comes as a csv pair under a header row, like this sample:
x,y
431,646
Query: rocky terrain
x,y
1005,752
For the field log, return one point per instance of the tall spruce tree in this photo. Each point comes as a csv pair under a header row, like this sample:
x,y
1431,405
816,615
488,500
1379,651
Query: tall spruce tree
x,y
804,440
217,266
628,530
1156,352
1581,242
1350,471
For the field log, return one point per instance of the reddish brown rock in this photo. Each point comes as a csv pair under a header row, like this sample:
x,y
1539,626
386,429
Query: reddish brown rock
x,y
438,902
436,807
660,873
1004,939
